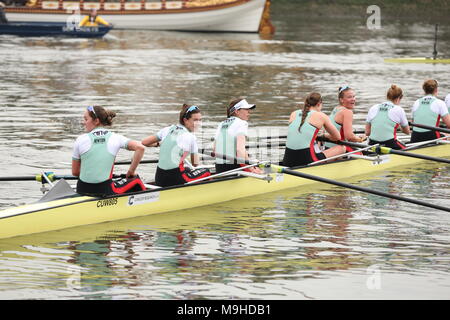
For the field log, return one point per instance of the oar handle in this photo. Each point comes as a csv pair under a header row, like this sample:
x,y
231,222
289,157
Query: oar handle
x,y
212,154
118,163
424,126
38,177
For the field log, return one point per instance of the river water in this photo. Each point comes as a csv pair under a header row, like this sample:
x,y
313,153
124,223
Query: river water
x,y
322,242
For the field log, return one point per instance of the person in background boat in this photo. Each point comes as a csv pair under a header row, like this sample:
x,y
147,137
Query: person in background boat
x,y
93,20
304,126
384,119
429,110
342,117
3,18
231,135
177,143
94,153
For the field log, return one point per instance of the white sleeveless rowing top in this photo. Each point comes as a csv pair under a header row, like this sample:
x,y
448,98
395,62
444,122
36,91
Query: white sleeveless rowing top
x,y
175,140
428,111
385,119
226,137
303,138
97,151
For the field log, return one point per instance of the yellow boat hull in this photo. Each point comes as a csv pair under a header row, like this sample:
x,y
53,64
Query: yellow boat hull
x,y
416,60
78,211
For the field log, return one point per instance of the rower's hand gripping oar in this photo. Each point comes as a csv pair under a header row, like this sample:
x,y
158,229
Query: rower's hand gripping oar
x,y
285,170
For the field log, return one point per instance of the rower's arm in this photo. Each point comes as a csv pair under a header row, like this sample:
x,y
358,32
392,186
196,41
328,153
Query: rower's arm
x,y
334,134
195,160
406,130
150,141
446,120
368,129
348,127
240,147
76,164
139,150
292,117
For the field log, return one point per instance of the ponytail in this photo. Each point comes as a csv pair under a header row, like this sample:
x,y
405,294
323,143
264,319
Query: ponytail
x,y
104,116
312,100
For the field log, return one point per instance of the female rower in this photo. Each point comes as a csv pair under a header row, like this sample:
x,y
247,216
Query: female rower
x,y
429,110
304,126
342,117
230,138
94,153
383,120
177,143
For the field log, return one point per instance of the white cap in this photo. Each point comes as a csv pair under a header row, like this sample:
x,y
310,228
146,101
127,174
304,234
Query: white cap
x,y
243,104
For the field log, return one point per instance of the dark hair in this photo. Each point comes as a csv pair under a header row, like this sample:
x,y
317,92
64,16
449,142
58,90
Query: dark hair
x,y
104,116
312,100
394,92
341,91
184,114
429,86
232,103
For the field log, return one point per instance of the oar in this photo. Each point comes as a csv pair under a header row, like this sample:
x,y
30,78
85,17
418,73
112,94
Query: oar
x,y
329,181
386,150
358,188
118,163
38,178
212,154
424,126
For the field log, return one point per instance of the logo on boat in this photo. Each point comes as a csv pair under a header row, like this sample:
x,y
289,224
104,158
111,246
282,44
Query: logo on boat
x,y
106,202
143,198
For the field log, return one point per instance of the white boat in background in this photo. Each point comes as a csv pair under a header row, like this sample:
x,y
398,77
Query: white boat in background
x,y
180,15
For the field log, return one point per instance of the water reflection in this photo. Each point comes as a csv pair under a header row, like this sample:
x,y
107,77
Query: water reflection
x,y
300,234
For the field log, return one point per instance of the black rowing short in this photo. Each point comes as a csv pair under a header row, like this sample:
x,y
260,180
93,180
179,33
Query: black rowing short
x,y
222,167
110,187
424,136
301,157
391,143
180,175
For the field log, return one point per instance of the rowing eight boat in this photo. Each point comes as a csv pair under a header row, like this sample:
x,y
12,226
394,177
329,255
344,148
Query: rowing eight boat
x,y
74,210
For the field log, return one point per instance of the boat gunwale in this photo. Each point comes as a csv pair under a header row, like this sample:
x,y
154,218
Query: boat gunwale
x,y
218,179
32,10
